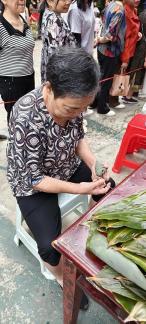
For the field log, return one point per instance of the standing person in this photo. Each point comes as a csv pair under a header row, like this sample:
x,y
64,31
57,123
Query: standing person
x,y
47,152
110,45
16,54
139,58
132,36
55,31
81,20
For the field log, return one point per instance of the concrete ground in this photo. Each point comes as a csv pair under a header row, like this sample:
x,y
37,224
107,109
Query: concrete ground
x,y
26,297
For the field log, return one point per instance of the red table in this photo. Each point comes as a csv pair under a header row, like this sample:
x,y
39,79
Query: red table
x,y
78,263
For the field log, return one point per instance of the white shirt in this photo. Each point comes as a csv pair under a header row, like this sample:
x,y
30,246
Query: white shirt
x,y
82,22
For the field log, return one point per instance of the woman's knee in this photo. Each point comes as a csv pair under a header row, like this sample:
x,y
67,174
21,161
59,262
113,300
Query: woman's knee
x,y
49,255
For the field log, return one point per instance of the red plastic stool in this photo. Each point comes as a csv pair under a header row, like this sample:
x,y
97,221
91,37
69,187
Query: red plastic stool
x,y
133,140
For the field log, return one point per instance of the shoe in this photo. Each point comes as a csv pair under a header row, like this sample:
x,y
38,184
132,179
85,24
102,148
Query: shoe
x,y
88,112
129,100
3,137
84,302
120,106
110,113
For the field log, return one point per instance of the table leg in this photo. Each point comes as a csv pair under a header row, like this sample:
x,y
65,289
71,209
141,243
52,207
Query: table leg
x,y
72,293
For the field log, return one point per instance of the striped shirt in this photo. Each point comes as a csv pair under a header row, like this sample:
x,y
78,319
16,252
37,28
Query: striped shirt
x,y
16,50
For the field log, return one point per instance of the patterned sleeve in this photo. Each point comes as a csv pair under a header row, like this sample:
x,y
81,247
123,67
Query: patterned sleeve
x,y
26,149
114,25
54,33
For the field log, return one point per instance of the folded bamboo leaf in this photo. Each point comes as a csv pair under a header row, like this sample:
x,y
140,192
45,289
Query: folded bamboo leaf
x,y
121,235
138,313
98,245
134,288
107,272
125,302
136,246
139,260
114,286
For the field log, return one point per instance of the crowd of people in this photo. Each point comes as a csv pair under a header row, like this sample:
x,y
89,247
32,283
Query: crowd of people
x,y
47,153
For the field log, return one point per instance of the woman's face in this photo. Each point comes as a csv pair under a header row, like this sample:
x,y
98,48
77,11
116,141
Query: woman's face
x,y
60,6
66,108
14,6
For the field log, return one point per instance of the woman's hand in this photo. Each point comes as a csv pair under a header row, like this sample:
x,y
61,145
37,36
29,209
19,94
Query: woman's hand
x,y
104,39
97,187
124,66
145,63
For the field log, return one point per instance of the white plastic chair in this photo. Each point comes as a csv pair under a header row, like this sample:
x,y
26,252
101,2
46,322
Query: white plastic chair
x,y
68,203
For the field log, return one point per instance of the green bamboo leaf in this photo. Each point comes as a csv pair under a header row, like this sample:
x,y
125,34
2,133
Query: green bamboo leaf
x,y
136,246
107,272
125,302
121,235
119,224
114,224
138,313
139,260
134,288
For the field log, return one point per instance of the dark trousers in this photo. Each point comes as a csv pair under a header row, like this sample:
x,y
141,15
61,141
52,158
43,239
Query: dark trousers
x,y
13,88
42,215
108,66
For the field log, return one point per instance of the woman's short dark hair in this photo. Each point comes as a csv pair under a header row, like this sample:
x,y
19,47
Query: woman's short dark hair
x,y
82,4
72,72
2,7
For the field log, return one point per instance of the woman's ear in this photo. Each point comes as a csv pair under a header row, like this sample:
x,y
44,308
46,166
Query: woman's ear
x,y
48,86
50,4
47,89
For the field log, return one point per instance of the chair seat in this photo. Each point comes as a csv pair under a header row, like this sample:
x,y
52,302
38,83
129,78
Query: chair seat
x,y
68,203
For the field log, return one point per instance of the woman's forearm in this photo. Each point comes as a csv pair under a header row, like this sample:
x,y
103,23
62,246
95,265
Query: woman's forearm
x,y
85,154
52,185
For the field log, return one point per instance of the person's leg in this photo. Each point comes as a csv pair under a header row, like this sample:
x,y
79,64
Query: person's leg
x,y
108,67
42,215
15,88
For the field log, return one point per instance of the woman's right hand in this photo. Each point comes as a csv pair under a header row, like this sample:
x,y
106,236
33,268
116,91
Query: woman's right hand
x,y
97,187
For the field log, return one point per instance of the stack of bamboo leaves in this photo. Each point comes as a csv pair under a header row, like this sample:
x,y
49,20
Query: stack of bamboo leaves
x,y
118,237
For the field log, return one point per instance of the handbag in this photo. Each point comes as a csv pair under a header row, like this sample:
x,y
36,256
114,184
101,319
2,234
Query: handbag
x,y
120,85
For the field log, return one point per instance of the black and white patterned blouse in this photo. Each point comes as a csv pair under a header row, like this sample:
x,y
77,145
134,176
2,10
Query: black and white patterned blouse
x,y
55,33
38,146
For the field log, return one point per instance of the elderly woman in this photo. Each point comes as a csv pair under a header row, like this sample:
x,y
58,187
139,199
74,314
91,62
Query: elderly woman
x,y
47,152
